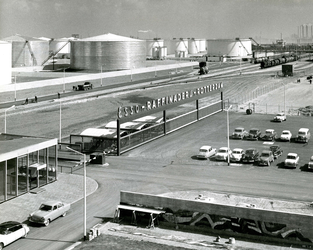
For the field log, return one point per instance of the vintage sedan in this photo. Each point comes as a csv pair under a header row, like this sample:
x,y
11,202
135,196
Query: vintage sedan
x,y
49,211
285,135
266,158
206,152
276,150
11,231
251,155
270,135
254,134
222,154
292,160
237,155
239,133
280,117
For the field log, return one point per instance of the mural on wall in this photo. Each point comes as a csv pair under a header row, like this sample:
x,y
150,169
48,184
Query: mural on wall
x,y
236,224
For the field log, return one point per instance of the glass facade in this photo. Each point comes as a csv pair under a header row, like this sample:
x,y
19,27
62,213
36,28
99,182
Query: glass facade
x,y
26,172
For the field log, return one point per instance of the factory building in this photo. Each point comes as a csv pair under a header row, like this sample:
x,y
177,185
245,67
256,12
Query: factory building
x,y
5,62
229,48
108,52
28,51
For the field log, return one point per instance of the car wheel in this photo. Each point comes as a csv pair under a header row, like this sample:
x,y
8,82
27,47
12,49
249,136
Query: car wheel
x,y
47,222
64,214
1,246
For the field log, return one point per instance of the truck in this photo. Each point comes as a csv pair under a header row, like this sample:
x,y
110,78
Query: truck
x,y
85,86
203,68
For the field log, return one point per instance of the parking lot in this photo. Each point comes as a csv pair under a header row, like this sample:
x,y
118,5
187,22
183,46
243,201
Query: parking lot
x,y
213,132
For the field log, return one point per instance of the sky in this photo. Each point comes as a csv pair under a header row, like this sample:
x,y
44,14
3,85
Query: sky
x,y
147,19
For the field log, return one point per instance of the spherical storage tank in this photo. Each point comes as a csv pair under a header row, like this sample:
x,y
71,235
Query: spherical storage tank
x,y
28,51
5,62
229,47
109,52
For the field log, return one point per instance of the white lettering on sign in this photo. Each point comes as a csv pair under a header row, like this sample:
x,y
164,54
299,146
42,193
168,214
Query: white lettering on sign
x,y
167,100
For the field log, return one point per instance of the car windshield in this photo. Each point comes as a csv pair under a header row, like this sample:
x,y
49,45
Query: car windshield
x,y
301,133
274,148
236,152
44,207
291,157
203,150
279,114
285,133
222,150
265,154
249,152
253,132
268,132
238,130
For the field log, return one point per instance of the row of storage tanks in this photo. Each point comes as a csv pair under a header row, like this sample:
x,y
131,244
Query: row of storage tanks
x,y
112,52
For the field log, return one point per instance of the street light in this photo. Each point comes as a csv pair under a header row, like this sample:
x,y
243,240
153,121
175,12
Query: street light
x,y
85,202
228,132
5,117
64,79
60,120
101,76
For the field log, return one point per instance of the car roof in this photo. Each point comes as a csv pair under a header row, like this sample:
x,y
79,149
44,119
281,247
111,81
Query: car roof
x,y
303,129
205,147
226,148
51,203
240,128
281,113
9,223
269,130
250,149
286,131
237,149
293,154
266,151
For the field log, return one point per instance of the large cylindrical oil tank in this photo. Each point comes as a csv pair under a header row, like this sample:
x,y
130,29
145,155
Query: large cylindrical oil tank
x,y
61,45
194,46
28,51
229,47
109,52
150,44
5,62
181,46
202,45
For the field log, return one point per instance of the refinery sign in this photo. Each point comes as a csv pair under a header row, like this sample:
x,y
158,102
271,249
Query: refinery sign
x,y
168,100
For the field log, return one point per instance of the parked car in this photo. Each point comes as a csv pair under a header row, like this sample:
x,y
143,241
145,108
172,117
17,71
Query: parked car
x,y
310,164
266,158
280,117
206,152
304,135
222,154
236,155
276,150
49,211
270,135
286,135
254,134
292,160
11,231
239,133
251,155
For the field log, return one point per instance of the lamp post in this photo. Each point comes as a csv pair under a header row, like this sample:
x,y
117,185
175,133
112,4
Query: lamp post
x,y
60,121
85,196
15,89
101,76
5,117
63,80
228,132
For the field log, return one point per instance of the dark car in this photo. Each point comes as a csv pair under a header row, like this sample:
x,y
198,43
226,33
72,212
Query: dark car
x,y
266,158
276,150
270,135
251,155
254,134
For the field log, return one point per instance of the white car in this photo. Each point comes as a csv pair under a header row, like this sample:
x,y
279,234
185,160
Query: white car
x,y
292,160
285,135
11,231
206,152
280,117
222,154
237,155
310,164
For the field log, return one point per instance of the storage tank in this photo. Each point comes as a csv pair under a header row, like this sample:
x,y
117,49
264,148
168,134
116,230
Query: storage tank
x,y
229,47
28,51
109,52
5,62
193,46
61,46
150,44
181,47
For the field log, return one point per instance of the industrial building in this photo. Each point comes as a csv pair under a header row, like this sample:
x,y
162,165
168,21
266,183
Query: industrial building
x,y
26,163
108,52
5,62
28,51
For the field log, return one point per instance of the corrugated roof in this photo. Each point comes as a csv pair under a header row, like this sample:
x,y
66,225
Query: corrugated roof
x,y
109,37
